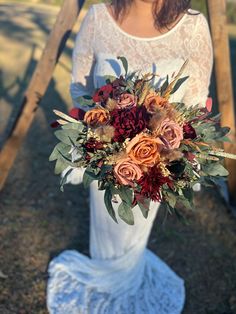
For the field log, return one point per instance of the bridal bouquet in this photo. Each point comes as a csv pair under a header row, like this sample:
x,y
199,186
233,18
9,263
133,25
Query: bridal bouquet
x,y
139,145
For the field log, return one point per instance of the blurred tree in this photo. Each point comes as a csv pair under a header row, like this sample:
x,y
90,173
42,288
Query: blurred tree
x,y
231,12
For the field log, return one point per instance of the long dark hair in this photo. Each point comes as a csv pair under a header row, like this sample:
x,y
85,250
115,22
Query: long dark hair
x,y
166,15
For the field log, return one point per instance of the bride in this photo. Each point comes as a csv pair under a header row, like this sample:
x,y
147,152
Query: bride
x,y
122,276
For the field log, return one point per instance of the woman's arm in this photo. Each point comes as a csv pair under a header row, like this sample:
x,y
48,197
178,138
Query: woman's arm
x,y
83,60
200,63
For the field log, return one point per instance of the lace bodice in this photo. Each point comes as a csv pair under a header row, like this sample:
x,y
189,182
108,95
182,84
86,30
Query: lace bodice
x,y
100,40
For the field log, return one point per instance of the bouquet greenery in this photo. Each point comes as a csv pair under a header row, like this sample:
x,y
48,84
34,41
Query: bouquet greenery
x,y
139,145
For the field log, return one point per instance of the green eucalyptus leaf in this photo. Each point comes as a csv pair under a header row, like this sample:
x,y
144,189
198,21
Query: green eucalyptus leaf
x,y
59,147
178,84
188,193
124,63
170,209
74,126
87,97
215,169
88,178
126,195
67,136
125,213
105,169
144,207
67,159
222,154
224,130
225,139
171,198
60,165
130,86
131,76
186,202
165,85
64,179
85,101
108,203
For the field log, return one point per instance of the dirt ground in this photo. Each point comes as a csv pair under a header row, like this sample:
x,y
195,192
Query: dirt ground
x,y
37,221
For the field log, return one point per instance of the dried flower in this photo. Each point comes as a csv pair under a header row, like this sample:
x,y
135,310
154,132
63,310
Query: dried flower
x,y
153,102
189,131
169,155
111,104
96,117
127,172
126,101
128,122
105,133
92,145
151,184
170,132
144,150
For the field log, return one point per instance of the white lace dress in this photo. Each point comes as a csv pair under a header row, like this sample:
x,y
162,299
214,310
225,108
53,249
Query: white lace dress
x,y
123,276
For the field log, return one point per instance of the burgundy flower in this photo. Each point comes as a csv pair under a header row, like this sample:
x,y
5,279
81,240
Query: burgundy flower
x,y
92,145
103,93
119,82
189,131
128,122
54,124
77,113
190,156
151,184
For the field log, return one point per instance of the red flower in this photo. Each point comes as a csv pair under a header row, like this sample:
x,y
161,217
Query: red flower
x,y
128,122
103,93
119,82
92,145
189,131
151,184
77,113
190,156
54,124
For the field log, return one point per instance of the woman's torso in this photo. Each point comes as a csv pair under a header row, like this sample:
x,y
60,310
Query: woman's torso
x,y
163,55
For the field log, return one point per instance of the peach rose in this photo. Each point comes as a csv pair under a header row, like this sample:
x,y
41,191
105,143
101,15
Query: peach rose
x,y
144,150
153,102
126,171
97,116
170,132
126,100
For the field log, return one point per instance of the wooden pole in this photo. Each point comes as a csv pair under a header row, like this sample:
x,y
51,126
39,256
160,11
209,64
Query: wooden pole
x,y
218,22
39,83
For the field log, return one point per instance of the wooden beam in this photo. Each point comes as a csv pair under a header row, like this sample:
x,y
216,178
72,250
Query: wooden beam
x,y
39,83
218,22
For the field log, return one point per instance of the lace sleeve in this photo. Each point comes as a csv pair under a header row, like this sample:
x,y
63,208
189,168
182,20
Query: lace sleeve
x,y
83,60
200,64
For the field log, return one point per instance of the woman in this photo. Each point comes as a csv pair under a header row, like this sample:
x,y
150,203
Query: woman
x,y
122,276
